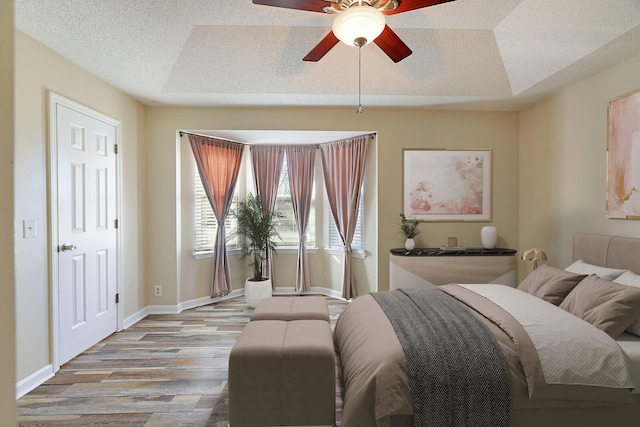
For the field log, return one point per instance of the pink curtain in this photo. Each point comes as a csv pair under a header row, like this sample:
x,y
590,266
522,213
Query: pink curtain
x,y
343,163
218,165
301,164
267,166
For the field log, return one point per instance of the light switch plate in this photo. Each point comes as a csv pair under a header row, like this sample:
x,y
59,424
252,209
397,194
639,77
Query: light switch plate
x,y
29,228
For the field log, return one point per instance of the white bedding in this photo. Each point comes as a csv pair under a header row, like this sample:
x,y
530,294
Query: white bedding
x,y
561,350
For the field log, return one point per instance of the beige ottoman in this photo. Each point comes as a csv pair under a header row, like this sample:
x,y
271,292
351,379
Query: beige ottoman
x,y
292,308
282,374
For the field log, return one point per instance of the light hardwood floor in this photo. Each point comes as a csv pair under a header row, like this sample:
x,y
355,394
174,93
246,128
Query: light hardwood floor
x,y
166,370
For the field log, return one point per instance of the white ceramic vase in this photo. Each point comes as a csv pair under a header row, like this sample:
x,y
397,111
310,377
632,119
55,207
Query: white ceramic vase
x,y
409,244
489,237
255,291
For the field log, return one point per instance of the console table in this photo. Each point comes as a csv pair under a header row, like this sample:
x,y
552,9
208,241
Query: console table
x,y
424,267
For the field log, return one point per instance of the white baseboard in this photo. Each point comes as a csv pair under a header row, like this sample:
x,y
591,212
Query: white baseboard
x,y
162,309
199,302
315,290
135,318
34,380
330,293
185,305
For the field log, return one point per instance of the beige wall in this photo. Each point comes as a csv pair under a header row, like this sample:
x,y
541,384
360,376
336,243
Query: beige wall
x,y
397,129
39,70
401,129
7,289
563,142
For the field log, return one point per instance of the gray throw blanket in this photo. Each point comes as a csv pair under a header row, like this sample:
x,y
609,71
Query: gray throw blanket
x,y
457,372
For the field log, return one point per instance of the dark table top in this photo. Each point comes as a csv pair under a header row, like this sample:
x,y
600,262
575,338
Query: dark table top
x,y
453,252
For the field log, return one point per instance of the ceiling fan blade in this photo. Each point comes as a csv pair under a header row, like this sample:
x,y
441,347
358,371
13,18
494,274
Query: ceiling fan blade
x,y
321,49
310,5
391,44
407,5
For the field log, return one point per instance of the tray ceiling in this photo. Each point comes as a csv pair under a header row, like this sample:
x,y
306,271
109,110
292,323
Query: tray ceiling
x,y
490,54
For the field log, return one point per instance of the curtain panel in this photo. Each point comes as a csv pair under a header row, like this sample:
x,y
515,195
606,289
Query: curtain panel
x,y
301,161
267,166
343,164
218,164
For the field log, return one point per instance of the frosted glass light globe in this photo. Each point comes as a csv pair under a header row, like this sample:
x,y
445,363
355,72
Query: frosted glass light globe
x,y
358,22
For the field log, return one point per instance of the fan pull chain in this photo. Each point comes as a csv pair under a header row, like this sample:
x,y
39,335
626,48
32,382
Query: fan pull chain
x,y
359,109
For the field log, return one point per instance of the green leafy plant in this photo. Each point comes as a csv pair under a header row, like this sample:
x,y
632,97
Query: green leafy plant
x,y
258,228
409,228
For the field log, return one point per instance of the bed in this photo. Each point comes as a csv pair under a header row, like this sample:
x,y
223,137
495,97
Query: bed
x,y
561,367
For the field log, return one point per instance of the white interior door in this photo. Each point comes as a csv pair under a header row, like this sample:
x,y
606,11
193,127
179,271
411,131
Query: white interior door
x,y
86,230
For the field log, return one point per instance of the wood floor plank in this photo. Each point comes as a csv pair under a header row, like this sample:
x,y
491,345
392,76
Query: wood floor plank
x,y
129,420
166,370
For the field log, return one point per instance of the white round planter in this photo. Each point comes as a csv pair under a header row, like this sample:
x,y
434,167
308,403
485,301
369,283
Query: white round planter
x,y
489,237
255,291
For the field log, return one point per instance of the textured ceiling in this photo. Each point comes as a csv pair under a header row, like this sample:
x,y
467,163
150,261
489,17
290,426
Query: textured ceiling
x,y
488,54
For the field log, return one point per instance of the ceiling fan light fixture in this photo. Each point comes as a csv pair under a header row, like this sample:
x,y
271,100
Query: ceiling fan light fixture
x,y
358,23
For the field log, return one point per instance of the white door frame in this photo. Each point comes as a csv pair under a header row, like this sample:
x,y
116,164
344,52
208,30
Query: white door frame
x,y
54,100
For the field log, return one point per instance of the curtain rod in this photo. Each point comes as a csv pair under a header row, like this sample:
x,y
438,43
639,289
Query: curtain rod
x,y
183,133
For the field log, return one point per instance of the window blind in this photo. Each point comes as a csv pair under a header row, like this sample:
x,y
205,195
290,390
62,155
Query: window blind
x,y
206,223
358,236
287,227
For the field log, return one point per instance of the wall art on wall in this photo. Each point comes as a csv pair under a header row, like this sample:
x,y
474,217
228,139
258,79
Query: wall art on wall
x,y
447,185
623,155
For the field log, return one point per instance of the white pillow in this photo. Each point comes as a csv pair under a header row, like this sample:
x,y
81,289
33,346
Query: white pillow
x,y
581,267
628,278
631,279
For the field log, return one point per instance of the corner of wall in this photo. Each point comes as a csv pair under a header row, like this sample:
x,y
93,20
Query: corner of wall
x,y
7,234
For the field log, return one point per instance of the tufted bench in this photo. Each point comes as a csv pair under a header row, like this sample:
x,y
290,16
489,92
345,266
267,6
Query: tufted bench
x,y
282,374
292,308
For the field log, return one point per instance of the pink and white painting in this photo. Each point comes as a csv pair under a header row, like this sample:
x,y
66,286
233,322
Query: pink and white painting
x,y
623,145
447,185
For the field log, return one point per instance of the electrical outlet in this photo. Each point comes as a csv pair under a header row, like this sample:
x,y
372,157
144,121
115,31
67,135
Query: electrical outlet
x,y
158,291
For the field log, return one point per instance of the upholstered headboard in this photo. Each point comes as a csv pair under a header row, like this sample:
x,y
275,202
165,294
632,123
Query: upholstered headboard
x,y
607,251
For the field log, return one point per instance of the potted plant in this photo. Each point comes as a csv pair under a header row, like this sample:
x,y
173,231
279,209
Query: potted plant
x,y
258,227
409,229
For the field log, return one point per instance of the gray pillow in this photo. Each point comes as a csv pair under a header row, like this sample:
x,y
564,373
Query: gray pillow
x,y
608,306
550,283
630,279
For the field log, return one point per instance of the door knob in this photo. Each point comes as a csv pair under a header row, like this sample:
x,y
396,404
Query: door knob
x,y
66,247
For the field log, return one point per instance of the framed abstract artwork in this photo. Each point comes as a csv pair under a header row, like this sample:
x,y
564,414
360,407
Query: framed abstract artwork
x,y
447,185
623,157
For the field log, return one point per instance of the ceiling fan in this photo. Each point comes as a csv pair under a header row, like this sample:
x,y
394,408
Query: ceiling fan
x,y
358,22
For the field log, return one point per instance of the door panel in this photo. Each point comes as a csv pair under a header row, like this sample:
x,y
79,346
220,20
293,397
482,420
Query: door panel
x,y
86,195
77,285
